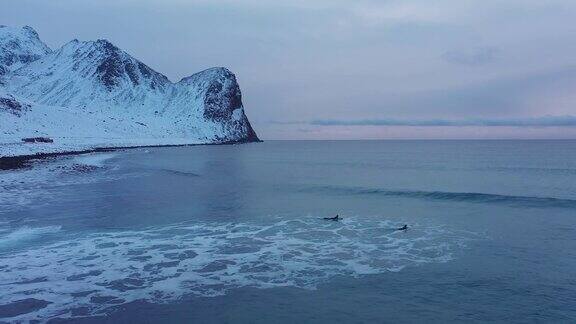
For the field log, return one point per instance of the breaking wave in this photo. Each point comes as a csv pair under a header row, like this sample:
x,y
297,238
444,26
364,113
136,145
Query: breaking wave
x,y
94,159
95,271
10,238
180,173
474,197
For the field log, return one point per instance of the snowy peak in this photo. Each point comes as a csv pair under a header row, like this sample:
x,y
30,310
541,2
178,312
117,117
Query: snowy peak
x,y
221,93
115,66
83,73
221,100
210,73
19,46
108,64
93,89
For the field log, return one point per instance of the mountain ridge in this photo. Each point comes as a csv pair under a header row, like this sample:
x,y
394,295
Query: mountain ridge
x,y
94,89
19,46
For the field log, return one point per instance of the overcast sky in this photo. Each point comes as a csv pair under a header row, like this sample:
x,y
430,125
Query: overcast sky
x,y
335,69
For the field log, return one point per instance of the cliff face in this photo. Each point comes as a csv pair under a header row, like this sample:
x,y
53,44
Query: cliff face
x,y
221,99
19,46
93,89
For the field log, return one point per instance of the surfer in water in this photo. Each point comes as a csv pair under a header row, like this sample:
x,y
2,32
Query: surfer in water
x,y
335,218
403,228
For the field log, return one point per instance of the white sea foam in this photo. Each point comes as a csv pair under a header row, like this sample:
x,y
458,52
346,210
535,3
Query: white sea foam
x,y
94,159
164,264
46,179
25,233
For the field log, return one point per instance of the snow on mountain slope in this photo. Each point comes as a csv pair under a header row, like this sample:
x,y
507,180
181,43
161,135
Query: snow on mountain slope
x,y
91,91
19,46
91,73
10,104
220,101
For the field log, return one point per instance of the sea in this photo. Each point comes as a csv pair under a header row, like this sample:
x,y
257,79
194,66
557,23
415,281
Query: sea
x,y
236,234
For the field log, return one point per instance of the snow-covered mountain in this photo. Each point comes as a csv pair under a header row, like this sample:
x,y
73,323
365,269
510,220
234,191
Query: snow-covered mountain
x,y
19,46
90,94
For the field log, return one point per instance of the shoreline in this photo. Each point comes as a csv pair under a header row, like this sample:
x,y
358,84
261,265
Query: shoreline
x,y
21,161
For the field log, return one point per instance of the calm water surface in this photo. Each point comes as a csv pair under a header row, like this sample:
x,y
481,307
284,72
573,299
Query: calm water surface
x,y
234,234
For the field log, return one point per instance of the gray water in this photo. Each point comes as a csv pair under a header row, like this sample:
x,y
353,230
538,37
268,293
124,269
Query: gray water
x,y
214,234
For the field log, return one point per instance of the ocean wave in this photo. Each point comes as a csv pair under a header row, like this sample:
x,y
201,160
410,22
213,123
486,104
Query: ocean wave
x,y
45,181
474,197
24,233
160,265
94,159
180,173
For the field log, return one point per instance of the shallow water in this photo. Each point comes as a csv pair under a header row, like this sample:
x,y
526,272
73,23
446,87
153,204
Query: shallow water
x,y
234,233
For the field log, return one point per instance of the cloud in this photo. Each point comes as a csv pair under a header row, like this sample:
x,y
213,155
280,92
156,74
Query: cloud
x,y
401,11
545,121
408,60
472,57
287,122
